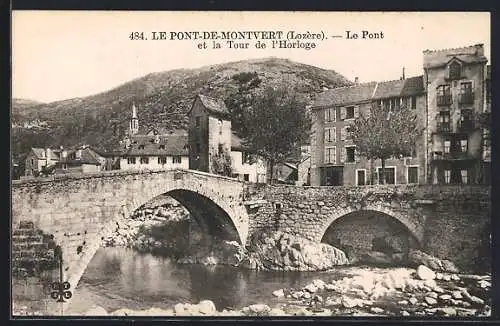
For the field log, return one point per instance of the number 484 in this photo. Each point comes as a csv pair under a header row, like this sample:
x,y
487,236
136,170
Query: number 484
x,y
137,36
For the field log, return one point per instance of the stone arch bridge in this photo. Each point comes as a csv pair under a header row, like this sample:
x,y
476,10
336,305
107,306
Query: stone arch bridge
x,y
78,210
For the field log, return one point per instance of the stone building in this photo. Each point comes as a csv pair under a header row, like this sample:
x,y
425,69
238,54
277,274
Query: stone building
x,y
81,160
153,149
334,159
210,135
455,83
39,158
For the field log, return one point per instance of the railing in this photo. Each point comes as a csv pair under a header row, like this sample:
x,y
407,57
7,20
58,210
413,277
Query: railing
x,y
465,125
466,98
444,127
444,99
455,155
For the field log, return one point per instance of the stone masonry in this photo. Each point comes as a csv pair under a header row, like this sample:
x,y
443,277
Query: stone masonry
x,y
80,210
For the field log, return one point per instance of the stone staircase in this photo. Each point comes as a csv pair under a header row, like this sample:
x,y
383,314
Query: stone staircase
x,y
32,251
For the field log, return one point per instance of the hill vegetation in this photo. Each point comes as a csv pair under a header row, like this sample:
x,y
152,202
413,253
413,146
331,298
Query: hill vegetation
x,y
162,100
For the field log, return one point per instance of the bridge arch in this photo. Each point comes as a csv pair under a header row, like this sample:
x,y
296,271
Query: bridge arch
x,y
414,229
80,210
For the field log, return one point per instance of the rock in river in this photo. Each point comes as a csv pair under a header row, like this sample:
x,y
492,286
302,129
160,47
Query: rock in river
x,y
425,273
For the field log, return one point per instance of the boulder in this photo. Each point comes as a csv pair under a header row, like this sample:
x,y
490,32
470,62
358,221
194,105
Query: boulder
x,y
259,309
207,307
96,311
283,251
417,257
447,311
279,293
424,273
376,258
430,301
376,310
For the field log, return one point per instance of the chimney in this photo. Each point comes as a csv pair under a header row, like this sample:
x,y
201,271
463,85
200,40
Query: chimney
x,y
479,49
403,77
356,80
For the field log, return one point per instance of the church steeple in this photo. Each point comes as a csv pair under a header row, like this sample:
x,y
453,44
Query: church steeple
x,y
134,121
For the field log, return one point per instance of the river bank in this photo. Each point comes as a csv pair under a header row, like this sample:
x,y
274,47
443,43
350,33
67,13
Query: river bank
x,y
391,292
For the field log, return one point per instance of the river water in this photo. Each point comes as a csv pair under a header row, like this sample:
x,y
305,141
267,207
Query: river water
x,y
123,278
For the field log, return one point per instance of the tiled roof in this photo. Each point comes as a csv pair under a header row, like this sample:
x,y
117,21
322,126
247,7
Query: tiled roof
x,y
345,95
236,142
143,145
368,91
467,54
214,105
40,153
391,88
88,157
413,86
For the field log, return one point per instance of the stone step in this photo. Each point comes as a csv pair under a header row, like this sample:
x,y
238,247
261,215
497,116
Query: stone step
x,y
26,225
27,238
24,232
29,245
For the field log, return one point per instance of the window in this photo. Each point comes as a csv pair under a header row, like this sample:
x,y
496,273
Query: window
x,y
349,112
245,157
350,154
141,146
444,121
32,162
330,135
447,145
162,146
413,102
466,87
412,174
64,166
443,95
246,177
162,160
197,121
220,149
131,160
463,174
360,177
220,126
144,160
390,175
455,70
466,93
463,145
330,114
344,132
330,155
447,176
177,159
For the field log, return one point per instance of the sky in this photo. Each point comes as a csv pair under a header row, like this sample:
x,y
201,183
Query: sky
x,y
59,55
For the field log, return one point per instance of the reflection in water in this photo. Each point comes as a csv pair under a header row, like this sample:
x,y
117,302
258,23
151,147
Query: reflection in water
x,y
123,278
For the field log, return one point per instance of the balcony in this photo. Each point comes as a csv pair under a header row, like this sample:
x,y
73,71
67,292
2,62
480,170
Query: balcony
x,y
466,98
454,155
466,125
444,99
443,127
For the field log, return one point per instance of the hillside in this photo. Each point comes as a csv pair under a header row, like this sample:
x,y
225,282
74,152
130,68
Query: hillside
x,y
162,99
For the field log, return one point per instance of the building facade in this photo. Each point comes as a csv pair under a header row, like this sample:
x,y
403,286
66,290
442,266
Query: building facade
x,y
455,82
210,136
39,158
334,158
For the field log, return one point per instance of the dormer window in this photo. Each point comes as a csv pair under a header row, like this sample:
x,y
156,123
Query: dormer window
x,y
455,70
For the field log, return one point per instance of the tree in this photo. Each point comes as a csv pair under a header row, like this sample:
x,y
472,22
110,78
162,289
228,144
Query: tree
x,y
221,163
381,134
276,124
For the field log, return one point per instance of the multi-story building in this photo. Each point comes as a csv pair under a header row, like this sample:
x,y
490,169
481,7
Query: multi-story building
x,y
455,84
210,134
153,149
334,159
39,158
